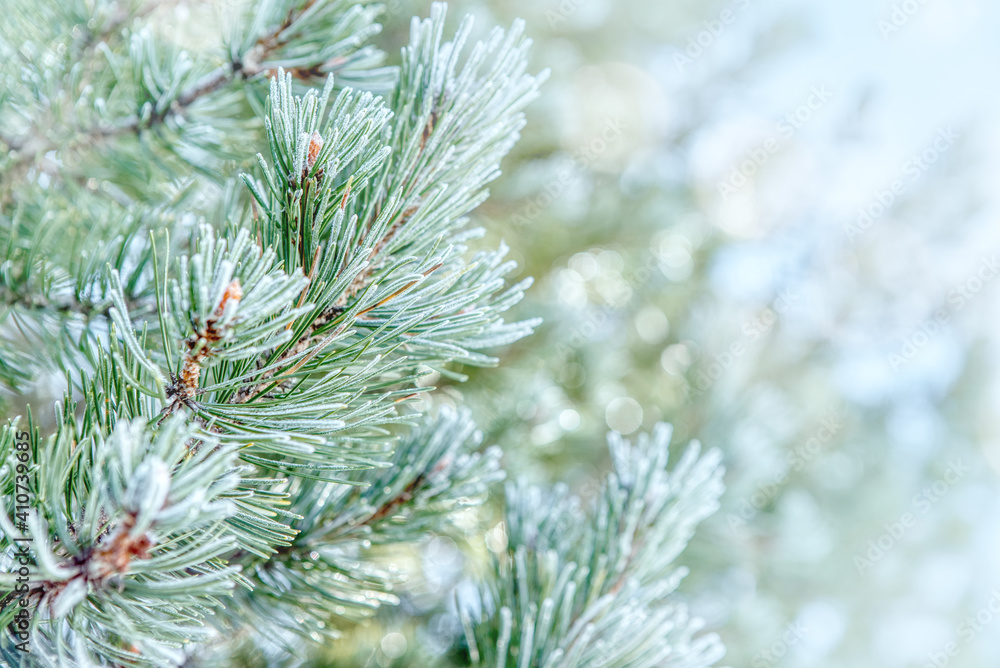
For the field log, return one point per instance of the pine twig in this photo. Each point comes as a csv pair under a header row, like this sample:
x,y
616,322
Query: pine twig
x,y
199,346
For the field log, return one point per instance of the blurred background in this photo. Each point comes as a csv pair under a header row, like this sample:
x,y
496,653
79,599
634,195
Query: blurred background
x,y
773,225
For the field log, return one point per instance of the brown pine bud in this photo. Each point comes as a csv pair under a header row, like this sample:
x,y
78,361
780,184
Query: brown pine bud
x,y
234,292
315,146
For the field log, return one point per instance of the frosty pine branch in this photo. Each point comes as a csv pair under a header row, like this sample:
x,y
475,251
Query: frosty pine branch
x,y
242,348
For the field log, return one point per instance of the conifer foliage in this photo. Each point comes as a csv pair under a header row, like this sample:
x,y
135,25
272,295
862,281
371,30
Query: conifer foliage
x,y
242,339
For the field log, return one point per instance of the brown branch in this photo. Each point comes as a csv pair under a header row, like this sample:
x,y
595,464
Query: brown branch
x,y
29,148
270,378
361,281
111,557
199,347
363,278
389,508
115,556
385,510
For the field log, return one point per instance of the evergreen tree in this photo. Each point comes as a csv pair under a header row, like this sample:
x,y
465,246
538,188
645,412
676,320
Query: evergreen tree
x,y
243,342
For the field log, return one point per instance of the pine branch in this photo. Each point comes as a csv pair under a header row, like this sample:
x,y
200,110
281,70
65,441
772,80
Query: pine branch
x,y
53,293
145,521
246,64
252,447
588,589
119,96
492,96
435,471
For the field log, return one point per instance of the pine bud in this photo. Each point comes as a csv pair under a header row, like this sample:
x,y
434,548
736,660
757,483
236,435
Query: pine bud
x,y
233,293
315,146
